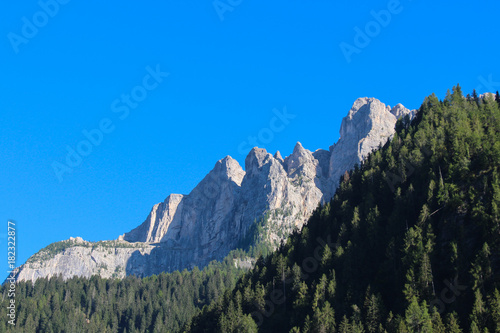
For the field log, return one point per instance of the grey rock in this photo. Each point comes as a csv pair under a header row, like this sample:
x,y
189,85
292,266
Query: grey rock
x,y
277,156
84,259
369,124
191,230
487,96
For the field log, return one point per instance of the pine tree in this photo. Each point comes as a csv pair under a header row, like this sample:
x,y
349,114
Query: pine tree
x,y
29,324
474,328
344,326
374,312
425,278
417,317
320,292
478,310
475,98
326,258
410,288
324,319
452,324
246,325
302,295
308,326
332,285
494,305
437,323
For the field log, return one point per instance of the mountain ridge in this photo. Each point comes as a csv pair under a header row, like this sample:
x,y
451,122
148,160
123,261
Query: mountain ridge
x,y
191,230
409,243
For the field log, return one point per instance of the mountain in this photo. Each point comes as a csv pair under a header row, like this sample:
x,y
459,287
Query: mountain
x,y
410,242
255,208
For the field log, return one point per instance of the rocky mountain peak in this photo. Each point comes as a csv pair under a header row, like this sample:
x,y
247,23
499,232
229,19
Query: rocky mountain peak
x,y
400,111
228,168
487,95
368,124
158,222
256,159
298,159
77,240
298,149
277,156
190,230
364,112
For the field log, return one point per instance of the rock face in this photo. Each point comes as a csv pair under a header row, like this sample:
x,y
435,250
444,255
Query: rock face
x,y
209,205
191,230
78,257
368,124
164,216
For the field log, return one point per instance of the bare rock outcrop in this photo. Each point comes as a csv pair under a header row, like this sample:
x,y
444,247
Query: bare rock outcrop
x,y
369,124
191,230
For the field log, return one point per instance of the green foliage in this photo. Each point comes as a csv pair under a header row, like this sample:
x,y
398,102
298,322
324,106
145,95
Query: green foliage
x,y
409,243
254,242
159,303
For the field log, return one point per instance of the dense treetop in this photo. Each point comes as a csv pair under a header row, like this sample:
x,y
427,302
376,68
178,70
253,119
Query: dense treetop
x,y
409,243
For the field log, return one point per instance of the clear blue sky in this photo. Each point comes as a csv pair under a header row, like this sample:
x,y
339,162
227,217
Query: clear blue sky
x,y
225,78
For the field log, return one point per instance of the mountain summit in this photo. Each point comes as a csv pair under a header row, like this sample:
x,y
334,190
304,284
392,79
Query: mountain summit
x,y
368,124
222,211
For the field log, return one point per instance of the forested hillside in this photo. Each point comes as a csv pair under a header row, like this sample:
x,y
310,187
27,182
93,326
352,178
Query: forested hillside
x,y
160,303
409,243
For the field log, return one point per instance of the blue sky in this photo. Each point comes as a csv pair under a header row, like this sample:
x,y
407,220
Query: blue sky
x,y
74,66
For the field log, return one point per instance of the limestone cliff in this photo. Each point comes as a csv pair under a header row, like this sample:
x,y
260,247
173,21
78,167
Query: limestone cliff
x,y
368,124
191,230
